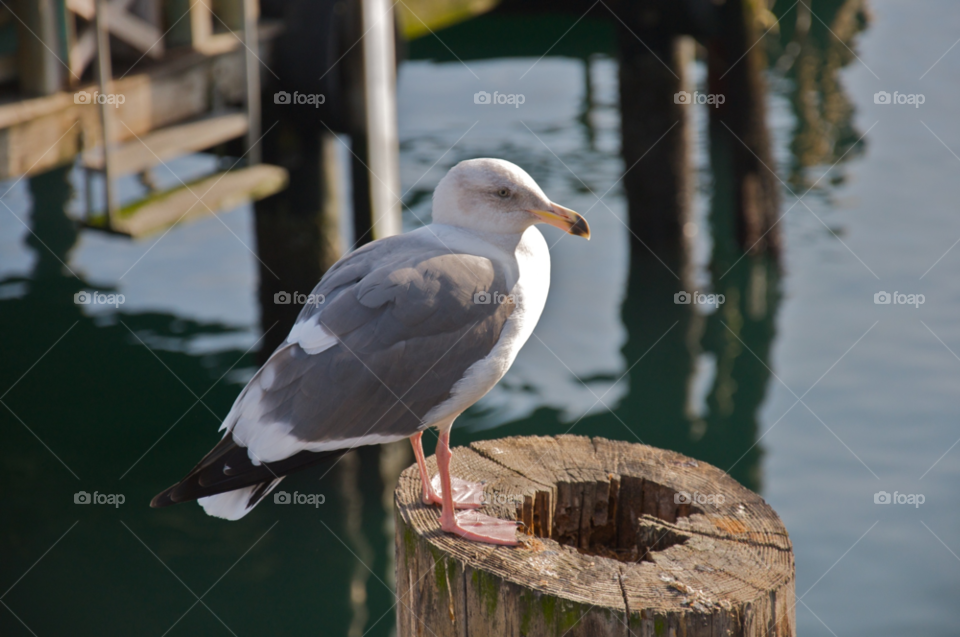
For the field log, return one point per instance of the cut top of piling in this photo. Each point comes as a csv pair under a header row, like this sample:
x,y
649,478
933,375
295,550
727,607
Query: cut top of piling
x,y
610,531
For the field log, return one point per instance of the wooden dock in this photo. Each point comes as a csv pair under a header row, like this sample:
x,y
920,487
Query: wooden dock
x,y
184,89
128,86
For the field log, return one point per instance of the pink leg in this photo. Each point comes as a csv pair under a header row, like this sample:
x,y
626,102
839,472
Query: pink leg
x,y
429,495
469,525
466,495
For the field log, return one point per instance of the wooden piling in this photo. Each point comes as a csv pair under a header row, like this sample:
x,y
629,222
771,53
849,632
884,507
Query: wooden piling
x,y
40,70
624,539
298,235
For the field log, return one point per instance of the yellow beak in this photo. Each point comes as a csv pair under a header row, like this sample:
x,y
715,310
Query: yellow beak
x,y
565,219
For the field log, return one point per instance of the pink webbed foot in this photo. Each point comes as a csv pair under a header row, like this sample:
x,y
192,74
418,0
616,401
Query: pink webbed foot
x,y
466,495
470,525
475,526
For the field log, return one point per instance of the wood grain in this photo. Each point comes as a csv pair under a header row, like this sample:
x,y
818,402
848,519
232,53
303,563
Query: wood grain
x,y
620,539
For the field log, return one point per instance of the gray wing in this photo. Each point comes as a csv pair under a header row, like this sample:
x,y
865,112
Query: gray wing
x,y
396,328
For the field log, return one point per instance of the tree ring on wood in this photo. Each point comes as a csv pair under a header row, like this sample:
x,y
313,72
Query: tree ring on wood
x,y
617,538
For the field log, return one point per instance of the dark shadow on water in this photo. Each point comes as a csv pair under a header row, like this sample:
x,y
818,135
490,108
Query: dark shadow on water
x,y
127,423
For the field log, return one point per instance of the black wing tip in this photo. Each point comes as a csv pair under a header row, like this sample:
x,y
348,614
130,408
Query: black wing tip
x,y
163,499
200,482
183,491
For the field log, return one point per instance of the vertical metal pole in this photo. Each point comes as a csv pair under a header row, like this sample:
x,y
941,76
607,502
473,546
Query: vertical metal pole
x,y
379,65
251,14
105,83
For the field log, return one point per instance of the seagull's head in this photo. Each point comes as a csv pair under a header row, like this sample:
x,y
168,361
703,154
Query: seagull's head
x,y
493,195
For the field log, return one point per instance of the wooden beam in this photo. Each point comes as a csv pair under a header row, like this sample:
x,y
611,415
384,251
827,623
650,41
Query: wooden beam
x,y
42,133
201,23
158,146
82,52
138,33
86,9
52,138
218,192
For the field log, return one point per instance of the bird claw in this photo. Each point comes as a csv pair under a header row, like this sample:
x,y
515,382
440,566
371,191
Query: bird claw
x,y
475,526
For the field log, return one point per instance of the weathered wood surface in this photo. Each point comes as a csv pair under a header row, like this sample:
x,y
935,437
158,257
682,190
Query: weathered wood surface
x,y
209,195
39,134
40,72
143,35
611,551
159,146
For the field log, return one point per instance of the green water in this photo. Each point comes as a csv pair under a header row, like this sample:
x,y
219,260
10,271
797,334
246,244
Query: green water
x,y
125,400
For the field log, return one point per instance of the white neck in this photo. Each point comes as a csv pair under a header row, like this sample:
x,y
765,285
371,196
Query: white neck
x,y
507,242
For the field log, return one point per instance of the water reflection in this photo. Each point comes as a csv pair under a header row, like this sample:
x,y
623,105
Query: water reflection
x,y
676,352
816,41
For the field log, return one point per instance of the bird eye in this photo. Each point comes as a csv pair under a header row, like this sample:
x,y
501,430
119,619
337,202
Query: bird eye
x,y
503,192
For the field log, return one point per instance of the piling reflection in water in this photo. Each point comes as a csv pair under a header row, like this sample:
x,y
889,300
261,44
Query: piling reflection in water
x,y
681,357
810,52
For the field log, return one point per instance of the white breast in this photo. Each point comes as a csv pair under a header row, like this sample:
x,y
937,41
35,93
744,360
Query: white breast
x,y
530,296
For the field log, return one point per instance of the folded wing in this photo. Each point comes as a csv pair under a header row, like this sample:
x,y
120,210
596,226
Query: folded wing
x,y
392,328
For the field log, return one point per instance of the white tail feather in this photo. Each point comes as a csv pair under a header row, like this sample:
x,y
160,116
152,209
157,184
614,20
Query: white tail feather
x,y
233,505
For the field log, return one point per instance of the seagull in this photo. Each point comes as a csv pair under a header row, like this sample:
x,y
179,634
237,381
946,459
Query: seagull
x,y
403,334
